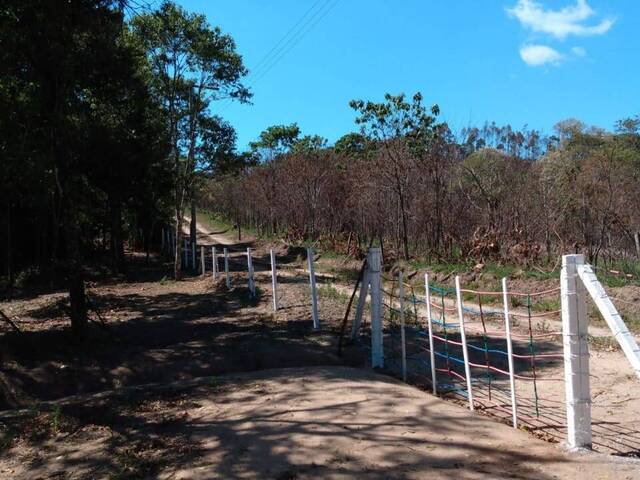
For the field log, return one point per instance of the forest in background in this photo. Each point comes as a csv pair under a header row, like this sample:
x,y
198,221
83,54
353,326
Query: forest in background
x,y
106,130
407,182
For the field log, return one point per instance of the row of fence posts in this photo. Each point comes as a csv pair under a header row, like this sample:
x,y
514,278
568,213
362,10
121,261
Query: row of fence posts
x,y
463,339
189,253
576,278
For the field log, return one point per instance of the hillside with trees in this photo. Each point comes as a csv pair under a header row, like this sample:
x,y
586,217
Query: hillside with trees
x,y
408,183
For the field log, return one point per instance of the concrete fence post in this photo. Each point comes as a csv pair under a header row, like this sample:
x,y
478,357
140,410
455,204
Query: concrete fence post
x,y
362,300
374,267
432,353
214,263
274,280
463,340
403,339
512,379
576,353
314,293
202,259
226,267
252,284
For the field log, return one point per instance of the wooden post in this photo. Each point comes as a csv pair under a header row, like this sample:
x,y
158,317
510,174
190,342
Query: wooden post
x,y
362,300
512,379
314,294
403,340
463,340
274,280
374,266
214,263
226,267
162,238
193,256
252,285
202,266
432,354
576,353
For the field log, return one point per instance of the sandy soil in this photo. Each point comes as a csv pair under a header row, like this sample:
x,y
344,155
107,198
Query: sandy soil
x,y
302,423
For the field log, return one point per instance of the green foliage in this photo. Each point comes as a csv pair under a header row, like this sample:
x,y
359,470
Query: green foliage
x,y
276,140
330,292
395,118
351,144
309,144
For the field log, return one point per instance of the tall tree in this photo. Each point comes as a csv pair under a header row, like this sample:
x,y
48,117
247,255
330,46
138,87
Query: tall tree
x,y
402,132
193,65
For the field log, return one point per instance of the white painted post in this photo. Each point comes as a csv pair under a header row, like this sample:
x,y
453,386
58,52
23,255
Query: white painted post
x,y
202,266
636,238
226,267
374,266
252,285
610,314
274,280
463,339
576,354
194,245
403,339
214,263
314,297
362,300
432,354
512,378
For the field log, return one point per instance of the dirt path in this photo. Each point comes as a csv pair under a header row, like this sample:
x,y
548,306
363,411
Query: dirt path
x,y
330,423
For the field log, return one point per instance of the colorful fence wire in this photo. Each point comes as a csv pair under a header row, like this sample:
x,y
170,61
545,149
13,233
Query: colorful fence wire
x,y
464,347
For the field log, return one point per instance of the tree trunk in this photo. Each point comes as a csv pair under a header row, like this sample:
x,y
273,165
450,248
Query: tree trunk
x,y
116,241
77,298
9,252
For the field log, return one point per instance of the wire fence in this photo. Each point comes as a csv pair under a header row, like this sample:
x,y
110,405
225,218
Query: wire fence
x,y
462,348
499,352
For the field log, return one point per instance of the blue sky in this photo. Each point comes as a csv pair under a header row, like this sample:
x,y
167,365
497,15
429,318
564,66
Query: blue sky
x,y
512,61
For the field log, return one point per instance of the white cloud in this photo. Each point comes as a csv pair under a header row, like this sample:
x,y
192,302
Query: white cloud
x,y
538,55
559,23
579,51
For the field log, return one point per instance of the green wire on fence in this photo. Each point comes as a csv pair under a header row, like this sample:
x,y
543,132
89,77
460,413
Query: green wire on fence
x,y
532,352
444,328
486,345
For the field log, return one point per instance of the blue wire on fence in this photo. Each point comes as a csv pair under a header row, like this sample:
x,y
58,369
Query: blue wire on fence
x,y
482,349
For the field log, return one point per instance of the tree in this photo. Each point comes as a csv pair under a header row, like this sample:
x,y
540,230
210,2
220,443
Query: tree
x,y
402,132
276,140
193,65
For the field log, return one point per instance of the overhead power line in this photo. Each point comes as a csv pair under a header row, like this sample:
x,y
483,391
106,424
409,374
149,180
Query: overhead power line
x,y
314,15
